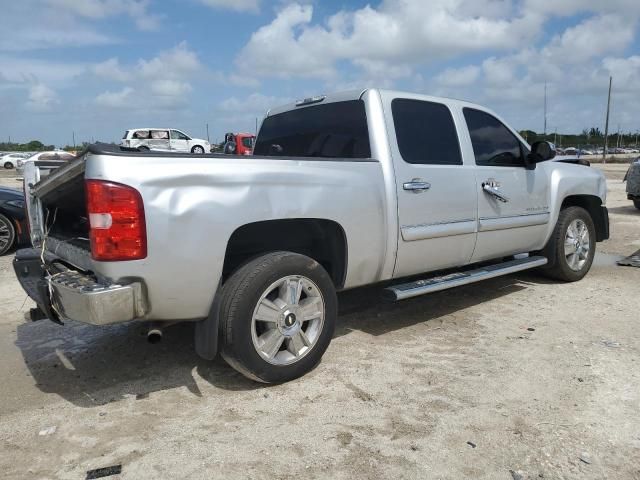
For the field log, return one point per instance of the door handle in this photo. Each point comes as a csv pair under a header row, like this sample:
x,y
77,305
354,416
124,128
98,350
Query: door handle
x,y
417,185
492,189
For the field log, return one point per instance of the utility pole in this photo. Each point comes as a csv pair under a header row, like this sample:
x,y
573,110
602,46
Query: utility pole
x,y
208,133
618,143
73,134
606,125
256,131
545,110
555,136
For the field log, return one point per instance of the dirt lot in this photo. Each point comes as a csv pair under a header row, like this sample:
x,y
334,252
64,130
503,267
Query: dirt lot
x,y
514,374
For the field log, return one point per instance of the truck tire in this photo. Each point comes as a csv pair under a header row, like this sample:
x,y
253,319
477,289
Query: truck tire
x,y
572,246
277,316
636,203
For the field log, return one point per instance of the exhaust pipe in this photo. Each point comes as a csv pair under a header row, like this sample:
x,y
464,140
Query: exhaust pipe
x,y
154,335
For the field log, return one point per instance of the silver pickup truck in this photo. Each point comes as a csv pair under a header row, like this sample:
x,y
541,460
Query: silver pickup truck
x,y
343,190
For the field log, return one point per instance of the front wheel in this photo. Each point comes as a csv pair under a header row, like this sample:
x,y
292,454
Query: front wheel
x,y
278,314
198,150
7,234
8,165
572,245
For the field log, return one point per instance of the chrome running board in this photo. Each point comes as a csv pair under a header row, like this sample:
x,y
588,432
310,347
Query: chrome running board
x,y
435,284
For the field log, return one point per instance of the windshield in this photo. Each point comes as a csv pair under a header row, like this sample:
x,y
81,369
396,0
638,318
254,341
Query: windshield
x,y
333,130
125,134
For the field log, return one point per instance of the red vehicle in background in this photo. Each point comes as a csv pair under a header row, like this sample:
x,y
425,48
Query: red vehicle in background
x,y
239,143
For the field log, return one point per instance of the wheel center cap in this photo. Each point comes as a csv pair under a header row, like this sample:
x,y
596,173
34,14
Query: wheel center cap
x,y
290,320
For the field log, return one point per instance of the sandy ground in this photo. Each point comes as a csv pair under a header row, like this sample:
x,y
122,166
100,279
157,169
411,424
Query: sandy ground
x,y
514,374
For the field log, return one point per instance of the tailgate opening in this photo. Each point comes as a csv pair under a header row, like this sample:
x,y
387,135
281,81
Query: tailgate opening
x,y
65,213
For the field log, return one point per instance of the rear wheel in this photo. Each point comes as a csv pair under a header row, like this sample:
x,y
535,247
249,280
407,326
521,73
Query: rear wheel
x,y
636,203
7,234
8,165
198,150
572,245
278,315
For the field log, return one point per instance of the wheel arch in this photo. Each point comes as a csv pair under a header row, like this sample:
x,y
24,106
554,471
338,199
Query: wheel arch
x,y
323,240
593,205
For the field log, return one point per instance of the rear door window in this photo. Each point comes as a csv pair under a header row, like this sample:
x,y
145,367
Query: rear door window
x,y
159,134
141,134
332,130
425,132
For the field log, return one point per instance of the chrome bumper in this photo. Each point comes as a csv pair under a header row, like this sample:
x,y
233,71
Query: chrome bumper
x,y
75,296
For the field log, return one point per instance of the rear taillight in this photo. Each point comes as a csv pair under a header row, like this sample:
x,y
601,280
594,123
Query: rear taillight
x,y
116,217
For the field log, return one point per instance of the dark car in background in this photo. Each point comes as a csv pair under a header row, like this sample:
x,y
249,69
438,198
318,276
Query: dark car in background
x,y
632,178
13,221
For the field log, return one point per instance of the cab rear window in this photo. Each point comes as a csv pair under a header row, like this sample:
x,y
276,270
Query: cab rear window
x,y
332,130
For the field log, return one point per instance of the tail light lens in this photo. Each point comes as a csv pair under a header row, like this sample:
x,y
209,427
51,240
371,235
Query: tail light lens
x,y
116,218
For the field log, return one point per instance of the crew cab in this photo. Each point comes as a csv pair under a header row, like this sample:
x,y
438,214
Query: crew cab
x,y
342,191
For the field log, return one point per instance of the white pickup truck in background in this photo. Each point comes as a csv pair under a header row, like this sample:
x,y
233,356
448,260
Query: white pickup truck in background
x,y
343,190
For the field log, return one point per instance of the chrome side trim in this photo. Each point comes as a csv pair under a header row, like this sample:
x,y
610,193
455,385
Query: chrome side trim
x,y
421,287
411,233
515,221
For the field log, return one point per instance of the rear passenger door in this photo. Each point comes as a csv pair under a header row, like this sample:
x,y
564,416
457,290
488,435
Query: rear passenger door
x,y
437,201
159,140
513,206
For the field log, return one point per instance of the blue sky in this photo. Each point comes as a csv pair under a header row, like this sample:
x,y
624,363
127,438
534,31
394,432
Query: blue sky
x,y
98,67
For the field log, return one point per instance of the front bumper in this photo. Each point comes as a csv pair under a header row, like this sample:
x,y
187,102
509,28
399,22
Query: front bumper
x,y
66,294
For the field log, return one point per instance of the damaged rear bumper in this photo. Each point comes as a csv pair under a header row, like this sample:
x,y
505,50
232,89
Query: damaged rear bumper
x,y
66,294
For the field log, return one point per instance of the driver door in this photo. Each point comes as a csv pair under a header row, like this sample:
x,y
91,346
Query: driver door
x,y
513,206
179,141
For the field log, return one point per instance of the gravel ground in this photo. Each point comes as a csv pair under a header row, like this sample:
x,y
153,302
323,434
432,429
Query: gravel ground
x,y
517,374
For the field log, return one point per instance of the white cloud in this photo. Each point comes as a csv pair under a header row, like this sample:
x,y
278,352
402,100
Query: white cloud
x,y
111,69
572,7
592,38
459,77
42,98
625,71
176,62
255,104
28,71
398,32
119,99
99,9
170,88
252,6
161,83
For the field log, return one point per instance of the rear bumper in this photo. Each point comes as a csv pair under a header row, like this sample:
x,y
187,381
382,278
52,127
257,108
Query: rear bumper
x,y
65,294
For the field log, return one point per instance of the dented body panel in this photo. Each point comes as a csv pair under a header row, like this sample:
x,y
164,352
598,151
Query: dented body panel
x,y
194,204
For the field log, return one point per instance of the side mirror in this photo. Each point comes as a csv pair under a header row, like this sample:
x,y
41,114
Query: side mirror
x,y
540,152
543,150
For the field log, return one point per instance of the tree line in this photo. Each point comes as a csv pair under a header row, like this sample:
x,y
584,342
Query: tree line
x,y
588,136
